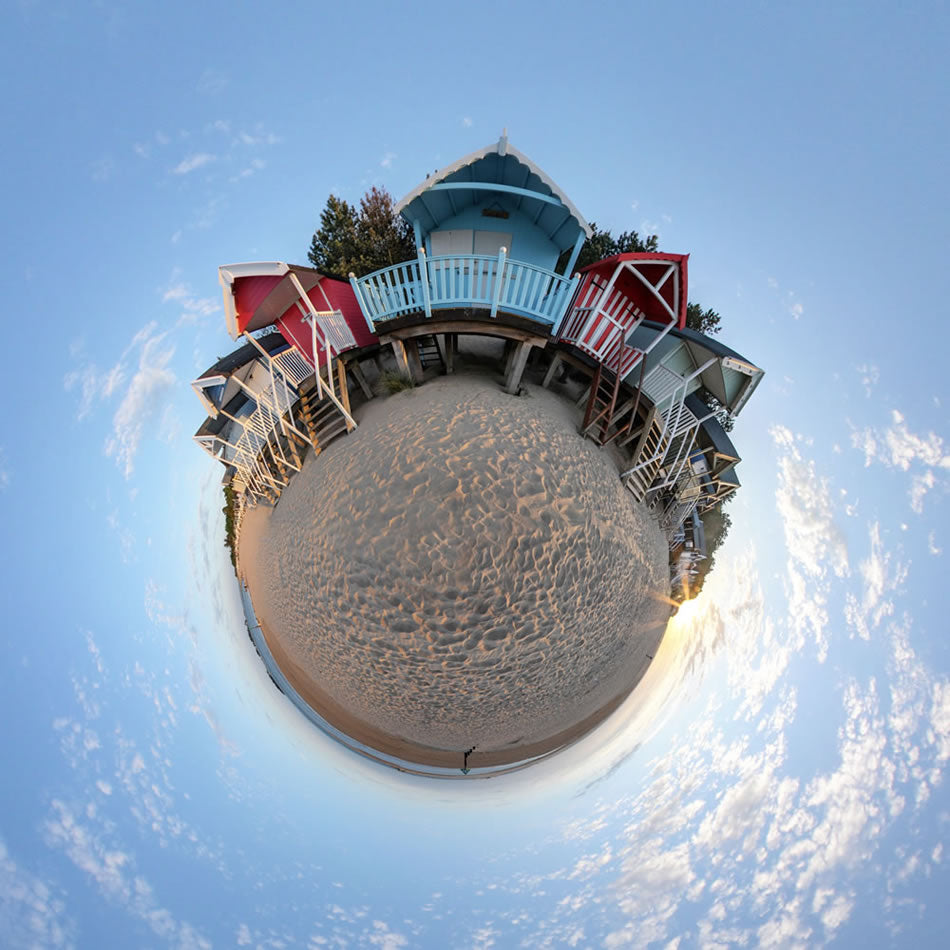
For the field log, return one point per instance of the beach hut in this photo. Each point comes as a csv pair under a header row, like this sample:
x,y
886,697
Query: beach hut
x,y
287,388
489,231
319,315
614,297
679,364
706,478
251,426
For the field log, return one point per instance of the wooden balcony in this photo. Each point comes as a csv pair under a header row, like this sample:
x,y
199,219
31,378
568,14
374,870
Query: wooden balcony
x,y
464,282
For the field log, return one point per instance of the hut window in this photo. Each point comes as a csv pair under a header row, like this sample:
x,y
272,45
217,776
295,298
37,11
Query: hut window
x,y
490,242
451,242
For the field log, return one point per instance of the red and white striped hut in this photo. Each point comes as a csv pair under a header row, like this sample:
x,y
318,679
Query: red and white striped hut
x,y
313,312
615,296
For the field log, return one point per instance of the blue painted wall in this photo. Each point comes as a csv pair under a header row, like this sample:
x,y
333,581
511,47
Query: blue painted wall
x,y
528,243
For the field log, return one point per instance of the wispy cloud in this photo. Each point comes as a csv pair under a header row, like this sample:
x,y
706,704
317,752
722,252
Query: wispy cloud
x,y
870,376
865,612
33,910
212,82
467,121
255,165
896,446
815,545
193,162
112,870
4,470
143,401
387,160
192,307
259,136
102,169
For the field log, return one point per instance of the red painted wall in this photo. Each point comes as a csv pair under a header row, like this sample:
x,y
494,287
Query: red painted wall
x,y
341,297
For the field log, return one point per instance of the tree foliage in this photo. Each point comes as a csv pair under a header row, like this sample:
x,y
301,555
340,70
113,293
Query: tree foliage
x,y
704,321
716,524
230,523
360,241
333,247
603,244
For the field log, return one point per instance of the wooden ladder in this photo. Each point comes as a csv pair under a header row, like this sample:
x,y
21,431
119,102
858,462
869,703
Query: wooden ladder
x,y
429,352
603,418
322,419
648,455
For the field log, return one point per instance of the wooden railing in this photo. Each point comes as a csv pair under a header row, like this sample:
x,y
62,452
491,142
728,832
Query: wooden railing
x,y
464,281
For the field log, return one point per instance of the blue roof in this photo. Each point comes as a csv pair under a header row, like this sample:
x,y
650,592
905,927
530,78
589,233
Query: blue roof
x,y
497,177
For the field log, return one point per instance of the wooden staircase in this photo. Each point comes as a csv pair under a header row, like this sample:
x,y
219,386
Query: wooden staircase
x,y
321,417
608,417
648,454
429,352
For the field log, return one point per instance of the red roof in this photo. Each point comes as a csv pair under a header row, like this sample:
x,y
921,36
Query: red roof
x,y
258,295
649,283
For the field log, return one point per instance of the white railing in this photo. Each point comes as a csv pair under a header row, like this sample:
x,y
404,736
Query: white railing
x,y
335,330
600,319
464,281
292,366
660,383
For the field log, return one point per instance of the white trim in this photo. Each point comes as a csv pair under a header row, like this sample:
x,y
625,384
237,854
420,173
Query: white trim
x,y
199,386
228,273
632,267
495,148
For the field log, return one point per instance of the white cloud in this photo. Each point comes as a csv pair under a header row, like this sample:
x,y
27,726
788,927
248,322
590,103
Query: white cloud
x,y
258,137
255,165
102,169
870,376
4,470
387,160
142,403
897,447
940,719
467,121
192,306
813,540
113,872
212,81
193,162
32,911
865,614
382,936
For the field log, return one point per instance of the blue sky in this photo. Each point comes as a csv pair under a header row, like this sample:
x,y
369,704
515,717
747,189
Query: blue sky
x,y
780,779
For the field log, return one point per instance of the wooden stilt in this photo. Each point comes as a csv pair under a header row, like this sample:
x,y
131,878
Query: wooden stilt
x,y
516,368
344,389
415,363
360,378
552,369
450,341
402,358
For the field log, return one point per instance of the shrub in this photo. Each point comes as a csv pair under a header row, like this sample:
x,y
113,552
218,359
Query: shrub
x,y
392,382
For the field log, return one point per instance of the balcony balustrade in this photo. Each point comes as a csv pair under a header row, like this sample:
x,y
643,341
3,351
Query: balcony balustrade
x,y
464,281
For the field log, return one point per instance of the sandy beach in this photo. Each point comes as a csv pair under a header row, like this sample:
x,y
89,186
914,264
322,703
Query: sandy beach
x,y
462,570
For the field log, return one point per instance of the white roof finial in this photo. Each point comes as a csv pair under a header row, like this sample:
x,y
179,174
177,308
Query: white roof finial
x,y
503,141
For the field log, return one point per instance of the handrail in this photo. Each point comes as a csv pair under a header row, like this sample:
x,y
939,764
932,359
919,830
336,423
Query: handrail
x,y
470,281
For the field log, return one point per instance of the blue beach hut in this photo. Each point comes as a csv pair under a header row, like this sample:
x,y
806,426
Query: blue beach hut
x,y
489,231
